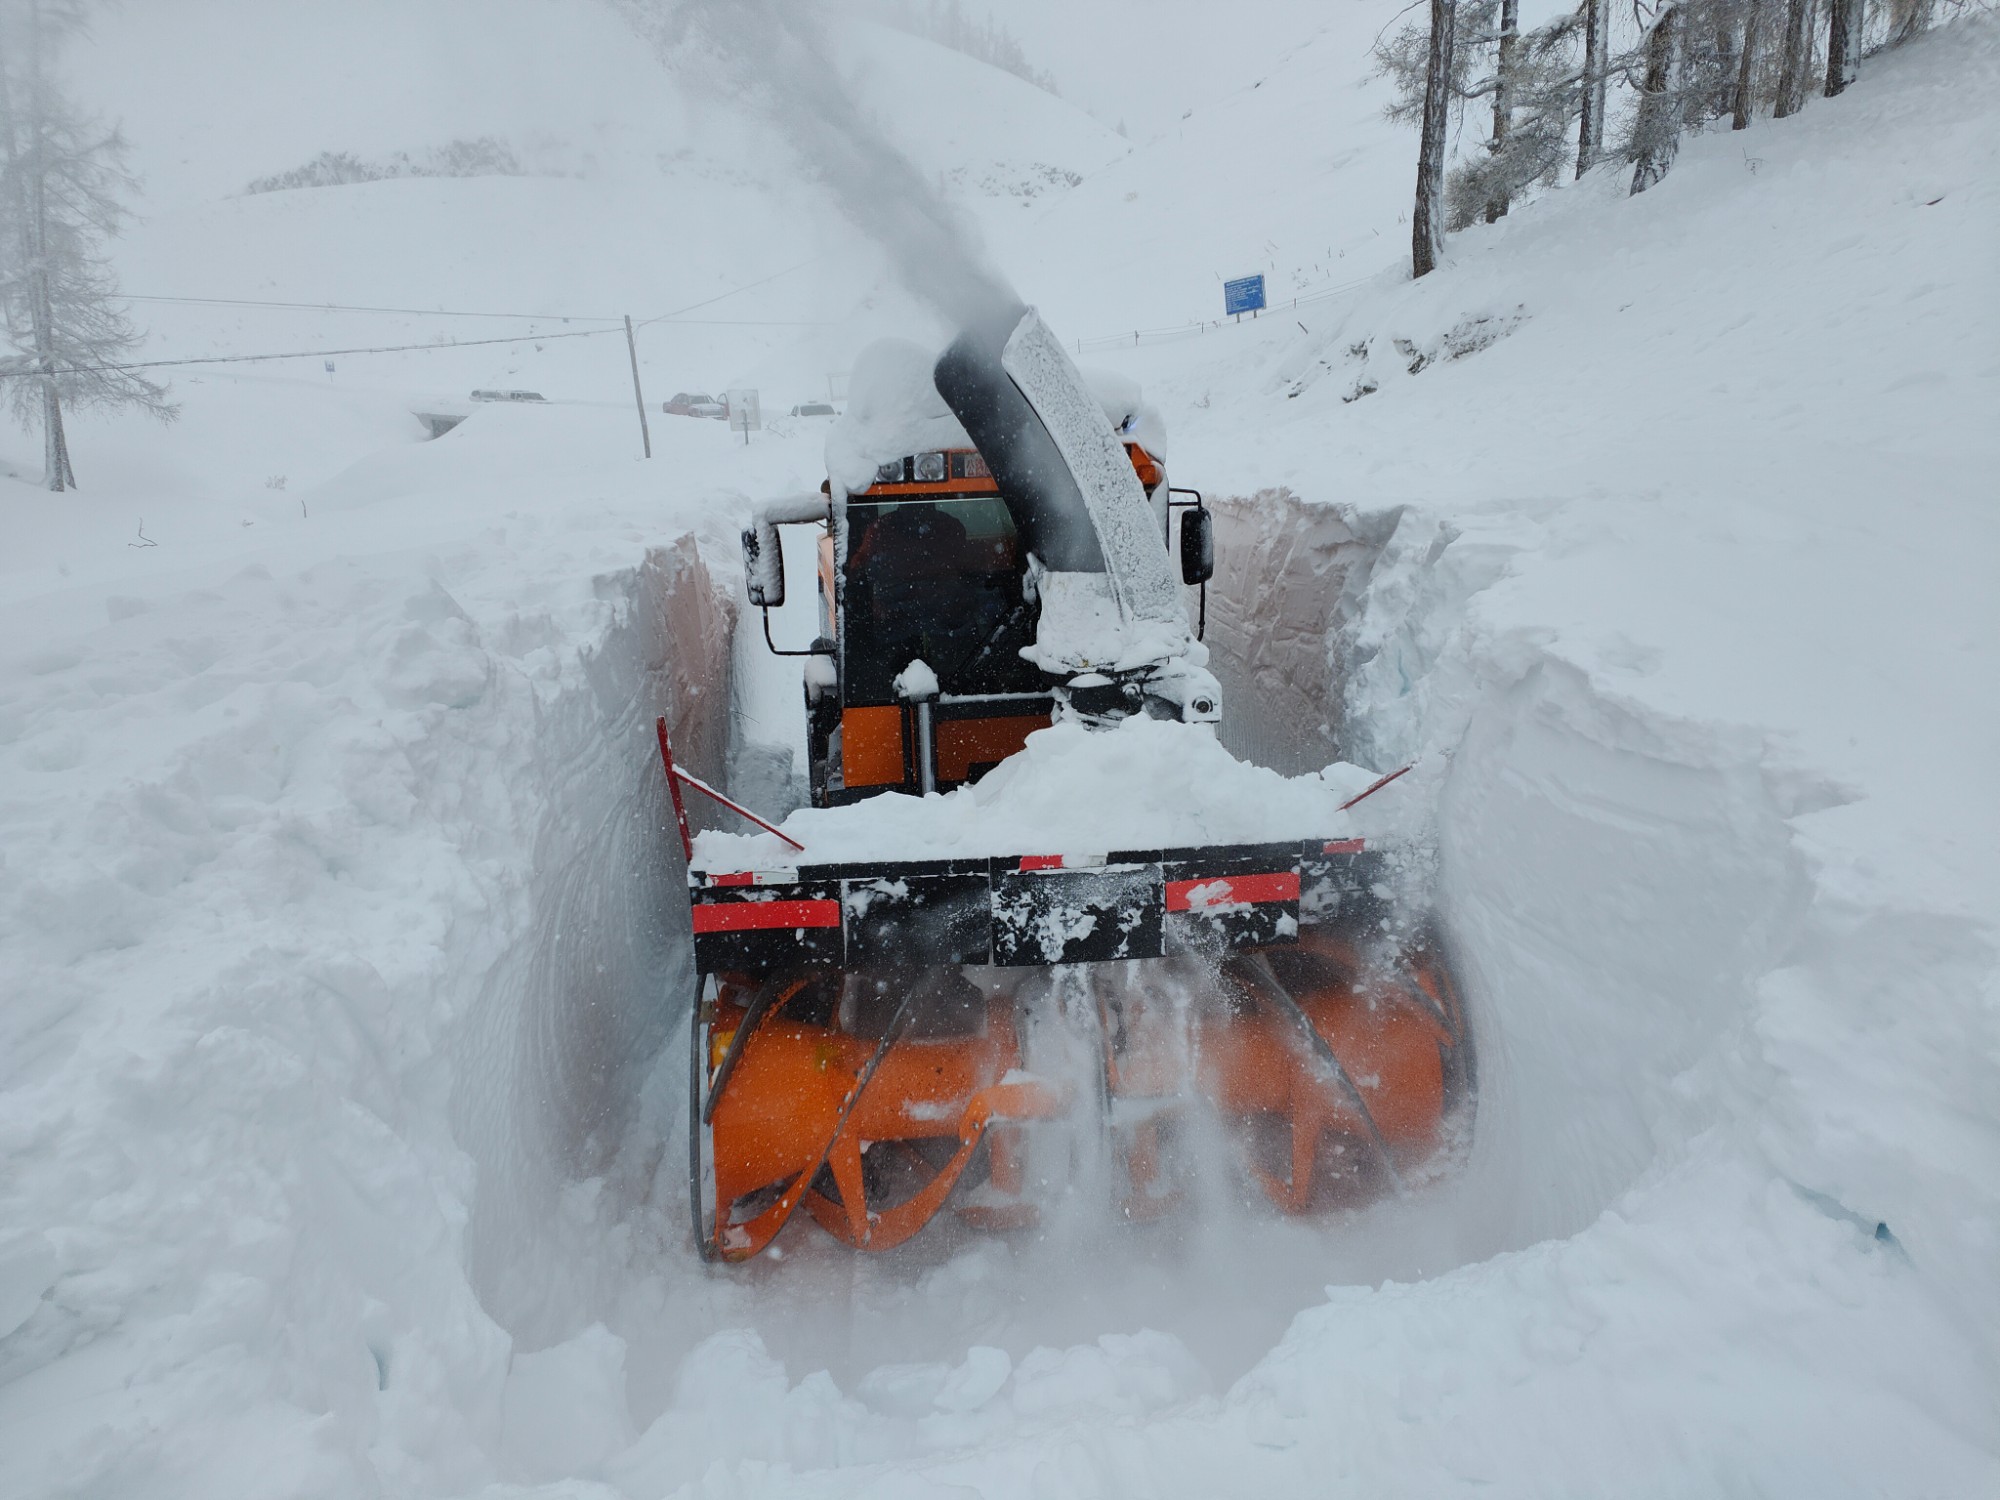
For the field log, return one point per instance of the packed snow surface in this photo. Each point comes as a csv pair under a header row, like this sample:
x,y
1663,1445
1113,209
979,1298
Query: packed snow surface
x,y
342,1060
1145,784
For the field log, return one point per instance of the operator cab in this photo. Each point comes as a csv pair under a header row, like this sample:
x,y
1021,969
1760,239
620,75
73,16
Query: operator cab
x,y
933,572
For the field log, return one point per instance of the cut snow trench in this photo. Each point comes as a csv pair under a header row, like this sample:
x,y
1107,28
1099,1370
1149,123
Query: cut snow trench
x,y
1613,887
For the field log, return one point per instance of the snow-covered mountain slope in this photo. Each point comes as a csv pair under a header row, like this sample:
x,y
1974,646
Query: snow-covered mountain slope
x,y
1291,171
338,1086
633,189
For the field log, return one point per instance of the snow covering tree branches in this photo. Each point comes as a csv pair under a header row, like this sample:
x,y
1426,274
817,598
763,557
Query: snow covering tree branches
x,y
1691,62
62,183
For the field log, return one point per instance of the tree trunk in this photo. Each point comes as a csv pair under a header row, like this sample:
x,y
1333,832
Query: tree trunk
x,y
55,444
1427,222
1590,118
1659,128
1746,66
1723,100
1839,17
1909,20
1797,58
1503,96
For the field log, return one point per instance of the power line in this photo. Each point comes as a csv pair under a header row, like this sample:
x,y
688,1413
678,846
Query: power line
x,y
442,312
678,315
525,338
425,312
750,287
241,359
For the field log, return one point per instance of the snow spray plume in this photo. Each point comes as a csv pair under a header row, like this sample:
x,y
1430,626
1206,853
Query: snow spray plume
x,y
777,51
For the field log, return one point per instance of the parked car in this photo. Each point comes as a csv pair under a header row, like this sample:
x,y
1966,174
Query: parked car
x,y
814,409
508,396
694,404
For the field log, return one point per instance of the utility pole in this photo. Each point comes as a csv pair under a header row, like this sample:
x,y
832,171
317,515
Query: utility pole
x,y
632,348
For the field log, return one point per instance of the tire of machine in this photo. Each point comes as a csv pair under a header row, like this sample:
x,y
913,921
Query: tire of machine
x,y
704,1238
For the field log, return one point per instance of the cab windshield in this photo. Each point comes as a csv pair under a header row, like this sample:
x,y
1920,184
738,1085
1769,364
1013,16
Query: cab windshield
x,y
937,579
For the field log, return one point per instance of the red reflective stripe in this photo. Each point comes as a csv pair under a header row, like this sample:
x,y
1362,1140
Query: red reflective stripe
x,y
1345,846
753,916
739,877
1041,862
1283,886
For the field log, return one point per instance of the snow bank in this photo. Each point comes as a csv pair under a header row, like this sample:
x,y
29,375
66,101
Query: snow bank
x,y
337,908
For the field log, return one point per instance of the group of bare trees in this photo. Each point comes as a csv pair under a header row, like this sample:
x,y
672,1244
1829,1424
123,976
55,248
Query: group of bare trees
x,y
62,188
1686,64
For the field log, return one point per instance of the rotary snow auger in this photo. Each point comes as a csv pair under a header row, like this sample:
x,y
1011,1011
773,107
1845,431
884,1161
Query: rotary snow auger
x,y
873,1035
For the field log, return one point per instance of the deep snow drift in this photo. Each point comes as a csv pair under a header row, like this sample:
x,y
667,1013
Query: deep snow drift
x,y
341,935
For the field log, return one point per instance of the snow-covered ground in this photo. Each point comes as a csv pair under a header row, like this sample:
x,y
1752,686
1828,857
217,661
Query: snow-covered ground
x,y
339,1077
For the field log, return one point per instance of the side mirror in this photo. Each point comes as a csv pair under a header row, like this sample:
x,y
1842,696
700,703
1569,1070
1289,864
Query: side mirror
x,y
1197,545
764,565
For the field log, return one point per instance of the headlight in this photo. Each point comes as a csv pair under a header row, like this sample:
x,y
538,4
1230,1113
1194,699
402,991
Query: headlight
x,y
930,468
890,473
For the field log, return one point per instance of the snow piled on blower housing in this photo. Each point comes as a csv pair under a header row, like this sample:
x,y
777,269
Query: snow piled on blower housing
x,y
339,923
1148,784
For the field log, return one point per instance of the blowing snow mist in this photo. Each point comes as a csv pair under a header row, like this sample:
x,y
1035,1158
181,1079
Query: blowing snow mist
x,y
780,55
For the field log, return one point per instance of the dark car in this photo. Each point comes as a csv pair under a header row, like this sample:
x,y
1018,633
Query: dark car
x,y
694,404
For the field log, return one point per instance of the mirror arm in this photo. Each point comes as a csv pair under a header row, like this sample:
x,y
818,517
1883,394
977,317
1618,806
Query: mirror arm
x,y
776,649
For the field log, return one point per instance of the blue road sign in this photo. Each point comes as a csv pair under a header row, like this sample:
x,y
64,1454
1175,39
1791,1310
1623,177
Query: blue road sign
x,y
1246,294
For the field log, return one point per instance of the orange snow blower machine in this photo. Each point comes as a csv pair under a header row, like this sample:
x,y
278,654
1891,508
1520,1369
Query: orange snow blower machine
x,y
878,1041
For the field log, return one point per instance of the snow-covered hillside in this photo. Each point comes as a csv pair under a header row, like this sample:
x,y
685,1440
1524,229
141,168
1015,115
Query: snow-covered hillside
x,y
340,1069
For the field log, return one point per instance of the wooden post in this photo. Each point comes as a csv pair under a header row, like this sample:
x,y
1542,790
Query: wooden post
x,y
632,348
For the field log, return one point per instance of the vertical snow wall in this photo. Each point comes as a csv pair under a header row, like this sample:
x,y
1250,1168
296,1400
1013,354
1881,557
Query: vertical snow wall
x,y
1615,885
572,1017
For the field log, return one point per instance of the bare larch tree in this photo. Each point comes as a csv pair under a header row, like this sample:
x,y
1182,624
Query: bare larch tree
x,y
1427,221
1596,74
62,187
1656,127
1796,58
1503,97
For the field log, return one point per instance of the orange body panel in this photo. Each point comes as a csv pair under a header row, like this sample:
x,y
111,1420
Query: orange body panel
x,y
908,487
1144,465
871,746
965,743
